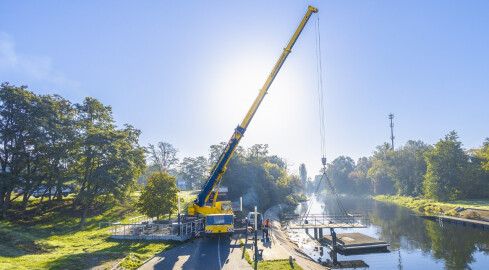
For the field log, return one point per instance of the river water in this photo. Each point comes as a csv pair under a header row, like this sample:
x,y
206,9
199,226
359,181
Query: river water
x,y
415,243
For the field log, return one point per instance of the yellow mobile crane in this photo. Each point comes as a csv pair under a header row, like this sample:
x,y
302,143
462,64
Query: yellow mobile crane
x,y
219,216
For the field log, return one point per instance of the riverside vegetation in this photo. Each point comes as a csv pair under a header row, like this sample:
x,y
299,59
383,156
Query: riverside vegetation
x,y
443,173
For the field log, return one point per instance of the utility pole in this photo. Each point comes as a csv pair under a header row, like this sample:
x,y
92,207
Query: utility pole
x,y
391,116
256,239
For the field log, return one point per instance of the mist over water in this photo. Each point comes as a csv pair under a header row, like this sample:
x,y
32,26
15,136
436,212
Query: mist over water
x,y
415,243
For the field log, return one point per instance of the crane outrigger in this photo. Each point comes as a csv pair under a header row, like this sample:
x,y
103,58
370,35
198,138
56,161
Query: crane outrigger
x,y
219,215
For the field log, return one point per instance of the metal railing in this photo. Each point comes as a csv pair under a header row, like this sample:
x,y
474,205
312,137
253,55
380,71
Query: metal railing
x,y
139,219
323,219
147,229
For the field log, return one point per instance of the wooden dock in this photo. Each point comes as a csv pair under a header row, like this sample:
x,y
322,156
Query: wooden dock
x,y
462,221
356,243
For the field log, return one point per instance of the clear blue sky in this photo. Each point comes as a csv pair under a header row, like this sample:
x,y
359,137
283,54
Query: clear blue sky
x,y
185,72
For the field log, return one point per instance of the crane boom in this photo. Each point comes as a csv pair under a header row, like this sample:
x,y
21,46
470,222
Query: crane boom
x,y
220,166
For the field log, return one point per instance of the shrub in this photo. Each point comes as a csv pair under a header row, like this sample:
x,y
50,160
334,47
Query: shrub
x,y
430,210
451,212
473,215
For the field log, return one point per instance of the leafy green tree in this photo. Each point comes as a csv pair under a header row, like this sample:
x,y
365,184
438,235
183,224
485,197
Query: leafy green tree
x,y
446,168
338,172
407,166
146,174
362,184
60,131
483,155
379,171
282,163
19,136
257,151
476,175
164,156
108,159
159,196
303,173
194,171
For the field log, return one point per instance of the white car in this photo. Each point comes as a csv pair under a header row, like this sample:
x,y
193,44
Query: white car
x,y
250,220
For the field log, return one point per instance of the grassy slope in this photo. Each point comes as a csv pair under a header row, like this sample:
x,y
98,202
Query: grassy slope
x,y
418,204
55,242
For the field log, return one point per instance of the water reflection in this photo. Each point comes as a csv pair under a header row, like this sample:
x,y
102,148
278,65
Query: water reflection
x,y
415,242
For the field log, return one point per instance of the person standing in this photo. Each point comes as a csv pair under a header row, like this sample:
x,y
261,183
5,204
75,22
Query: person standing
x,y
266,227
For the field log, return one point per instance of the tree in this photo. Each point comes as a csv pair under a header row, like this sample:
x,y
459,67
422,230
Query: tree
x,y
164,156
194,171
483,154
19,136
303,173
362,184
108,160
159,196
446,163
479,170
216,150
258,151
60,130
407,166
379,171
282,163
338,172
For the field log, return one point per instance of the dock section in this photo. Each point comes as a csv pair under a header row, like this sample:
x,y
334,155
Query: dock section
x,y
461,221
356,243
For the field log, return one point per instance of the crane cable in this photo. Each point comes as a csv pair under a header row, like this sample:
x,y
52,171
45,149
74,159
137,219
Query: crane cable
x,y
319,70
322,129
322,132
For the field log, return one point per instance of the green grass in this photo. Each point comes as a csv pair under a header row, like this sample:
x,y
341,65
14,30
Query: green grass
x,y
188,197
54,241
270,265
419,204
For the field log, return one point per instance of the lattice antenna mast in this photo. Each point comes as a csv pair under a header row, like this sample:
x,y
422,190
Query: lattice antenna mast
x,y
391,116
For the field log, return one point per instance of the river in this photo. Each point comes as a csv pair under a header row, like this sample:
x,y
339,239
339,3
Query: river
x,y
415,243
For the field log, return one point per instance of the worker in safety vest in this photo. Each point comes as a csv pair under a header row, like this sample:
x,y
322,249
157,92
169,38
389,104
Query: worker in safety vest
x,y
266,227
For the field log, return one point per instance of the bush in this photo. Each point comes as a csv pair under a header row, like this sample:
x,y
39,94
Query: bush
x,y
451,212
473,215
431,210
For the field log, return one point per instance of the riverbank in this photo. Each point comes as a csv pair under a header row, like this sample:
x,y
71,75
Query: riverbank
x,y
300,257
466,209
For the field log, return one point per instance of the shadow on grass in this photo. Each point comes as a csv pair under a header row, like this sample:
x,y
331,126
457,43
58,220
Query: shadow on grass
x,y
22,234
135,252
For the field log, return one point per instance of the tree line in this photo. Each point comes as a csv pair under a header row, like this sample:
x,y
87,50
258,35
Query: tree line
x,y
444,171
261,179
48,143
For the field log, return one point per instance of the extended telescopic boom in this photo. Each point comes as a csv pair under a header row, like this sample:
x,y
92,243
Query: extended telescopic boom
x,y
220,166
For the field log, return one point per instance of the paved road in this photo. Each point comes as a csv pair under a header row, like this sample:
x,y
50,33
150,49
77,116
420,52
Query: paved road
x,y
213,253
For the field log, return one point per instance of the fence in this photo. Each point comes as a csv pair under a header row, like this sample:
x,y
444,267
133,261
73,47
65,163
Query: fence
x,y
149,230
139,219
322,219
